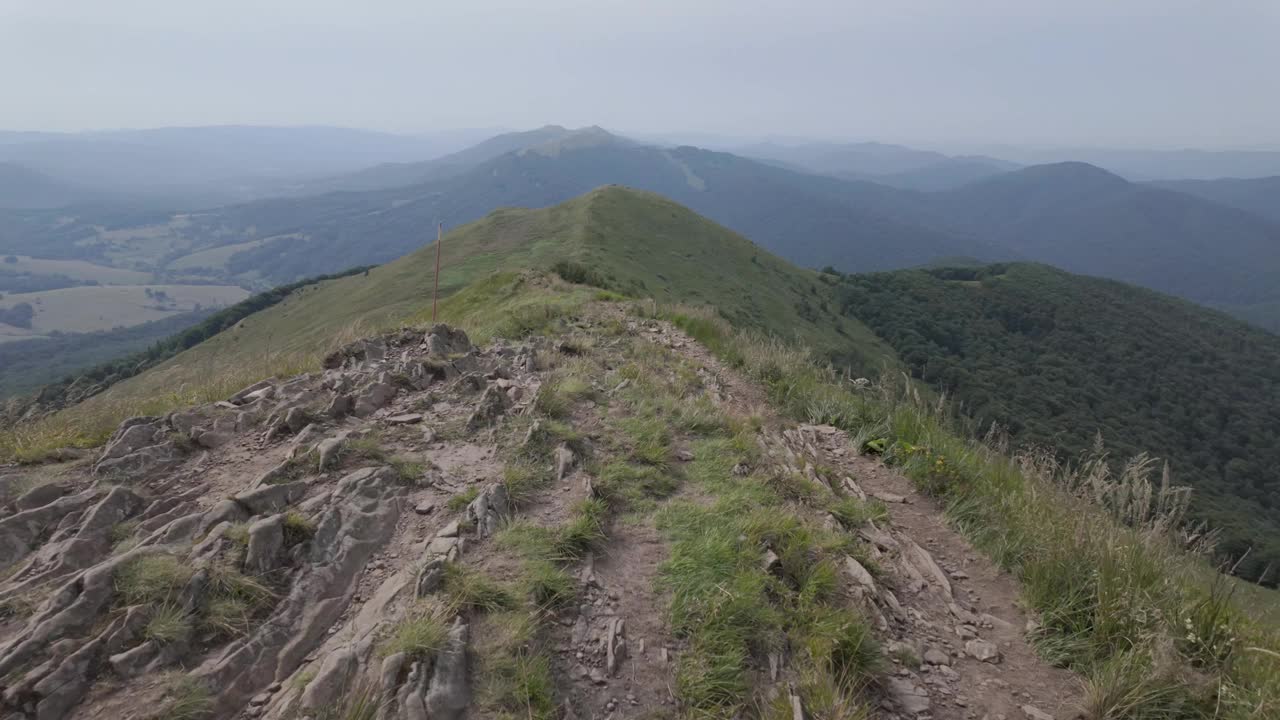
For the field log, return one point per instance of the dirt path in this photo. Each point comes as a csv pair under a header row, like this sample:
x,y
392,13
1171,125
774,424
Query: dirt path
x,y
950,619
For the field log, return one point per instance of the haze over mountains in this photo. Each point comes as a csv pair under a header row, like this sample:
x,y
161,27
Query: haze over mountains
x,y
1217,244
207,166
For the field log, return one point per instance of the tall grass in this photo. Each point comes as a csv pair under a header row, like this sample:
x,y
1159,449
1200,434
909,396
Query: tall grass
x,y
92,422
1123,589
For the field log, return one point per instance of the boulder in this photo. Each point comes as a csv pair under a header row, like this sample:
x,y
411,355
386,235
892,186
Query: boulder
x,y
339,407
923,570
983,650
445,340
488,509
934,656
240,397
564,461
864,583
296,419
1034,713
19,532
374,398
493,403
39,496
430,577
331,680
266,545
211,438
448,695
137,465
912,698
271,498
63,688
329,449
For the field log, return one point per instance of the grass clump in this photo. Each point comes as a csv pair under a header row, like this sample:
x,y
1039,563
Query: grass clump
x,y
733,611
906,656
513,673
583,532
648,440
420,635
368,447
227,617
559,394
409,471
185,698
461,500
122,532
297,528
522,685
226,581
548,585
523,479
1128,685
854,513
361,702
168,624
533,542
238,533
235,600
151,579
466,589
636,487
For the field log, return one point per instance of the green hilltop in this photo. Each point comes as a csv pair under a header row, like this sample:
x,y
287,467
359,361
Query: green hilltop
x,y
506,269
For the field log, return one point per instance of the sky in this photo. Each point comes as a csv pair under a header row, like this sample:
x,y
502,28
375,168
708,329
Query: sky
x,y
1120,73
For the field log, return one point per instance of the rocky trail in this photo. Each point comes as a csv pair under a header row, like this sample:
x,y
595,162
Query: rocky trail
x,y
949,619
427,529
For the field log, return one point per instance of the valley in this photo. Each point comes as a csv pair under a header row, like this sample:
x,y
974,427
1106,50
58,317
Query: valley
x,y
90,309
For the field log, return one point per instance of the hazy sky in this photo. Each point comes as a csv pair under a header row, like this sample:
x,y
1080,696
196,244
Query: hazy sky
x,y
1119,72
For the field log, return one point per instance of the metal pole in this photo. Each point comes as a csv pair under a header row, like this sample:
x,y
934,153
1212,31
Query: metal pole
x,y
435,291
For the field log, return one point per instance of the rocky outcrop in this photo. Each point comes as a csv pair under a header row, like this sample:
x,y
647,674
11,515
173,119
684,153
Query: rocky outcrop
x,y
165,489
359,520
449,693
493,404
488,510
19,532
266,544
141,446
444,340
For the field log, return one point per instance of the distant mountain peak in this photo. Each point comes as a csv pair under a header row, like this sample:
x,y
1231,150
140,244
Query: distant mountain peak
x,y
1071,169
579,139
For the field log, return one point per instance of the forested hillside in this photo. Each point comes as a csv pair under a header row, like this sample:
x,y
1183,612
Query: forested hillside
x,y
1059,358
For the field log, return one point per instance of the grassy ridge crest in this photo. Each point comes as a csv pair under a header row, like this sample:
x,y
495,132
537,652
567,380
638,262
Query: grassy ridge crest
x,y
493,279
1157,631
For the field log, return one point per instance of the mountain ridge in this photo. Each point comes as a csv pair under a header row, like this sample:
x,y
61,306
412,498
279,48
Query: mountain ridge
x,y
1073,215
